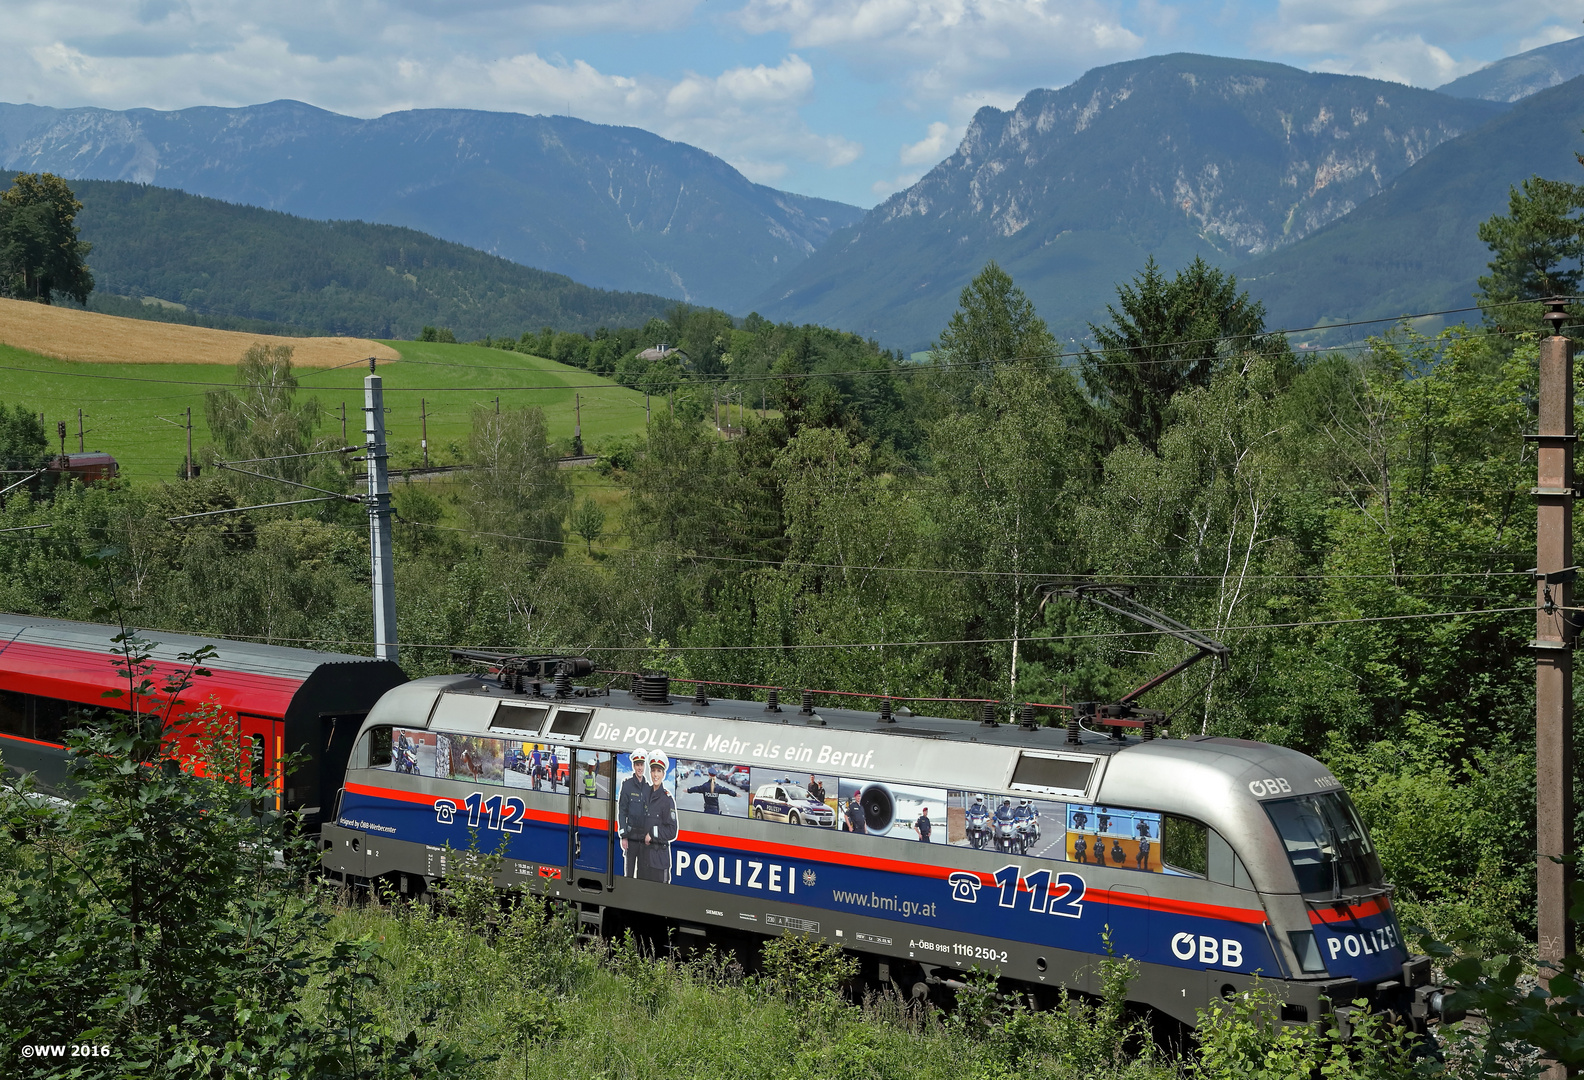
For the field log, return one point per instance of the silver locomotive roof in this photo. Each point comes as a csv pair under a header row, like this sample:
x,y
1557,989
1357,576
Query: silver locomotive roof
x,y
1218,781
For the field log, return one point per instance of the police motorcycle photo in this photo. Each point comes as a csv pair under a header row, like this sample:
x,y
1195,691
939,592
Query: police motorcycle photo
x,y
1008,838
977,823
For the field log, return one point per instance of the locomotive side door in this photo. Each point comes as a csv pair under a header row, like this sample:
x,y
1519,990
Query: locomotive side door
x,y
591,836
337,732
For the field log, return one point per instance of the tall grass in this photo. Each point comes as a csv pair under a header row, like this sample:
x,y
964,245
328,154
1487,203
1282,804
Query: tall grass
x,y
516,992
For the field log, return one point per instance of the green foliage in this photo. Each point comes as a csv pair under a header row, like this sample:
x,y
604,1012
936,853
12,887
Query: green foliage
x,y
808,970
240,267
1165,336
1538,244
162,912
516,488
1519,1011
40,254
441,335
1240,1038
1076,1036
262,419
1537,249
23,443
1354,532
994,325
588,521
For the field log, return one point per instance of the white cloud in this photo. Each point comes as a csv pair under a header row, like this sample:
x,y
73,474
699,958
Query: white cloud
x,y
941,49
929,149
1410,60
1548,35
1422,42
370,57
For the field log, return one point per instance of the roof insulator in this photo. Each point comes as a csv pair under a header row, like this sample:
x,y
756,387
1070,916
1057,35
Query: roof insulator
x,y
808,703
654,688
989,715
885,711
698,695
773,701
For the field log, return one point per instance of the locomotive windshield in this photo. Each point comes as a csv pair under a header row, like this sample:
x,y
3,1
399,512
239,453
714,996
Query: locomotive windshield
x,y
1326,843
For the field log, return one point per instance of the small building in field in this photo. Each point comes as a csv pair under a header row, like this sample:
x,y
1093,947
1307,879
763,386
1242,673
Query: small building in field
x,y
84,467
664,351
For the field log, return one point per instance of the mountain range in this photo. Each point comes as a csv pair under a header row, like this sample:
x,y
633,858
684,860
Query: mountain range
x,y
612,207
1515,77
1070,191
1415,247
1333,197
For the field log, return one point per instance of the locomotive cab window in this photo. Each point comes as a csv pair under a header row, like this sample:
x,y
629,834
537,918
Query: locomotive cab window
x,y
376,749
1326,843
1194,849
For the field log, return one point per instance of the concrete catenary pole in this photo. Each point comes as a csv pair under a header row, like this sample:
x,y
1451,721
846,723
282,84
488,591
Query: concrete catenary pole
x,y
1553,644
189,443
379,514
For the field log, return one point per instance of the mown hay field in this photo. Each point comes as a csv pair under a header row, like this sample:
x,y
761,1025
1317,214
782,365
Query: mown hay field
x,y
133,409
72,334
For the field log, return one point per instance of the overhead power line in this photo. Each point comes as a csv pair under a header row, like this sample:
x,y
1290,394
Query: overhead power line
x,y
793,564
1031,639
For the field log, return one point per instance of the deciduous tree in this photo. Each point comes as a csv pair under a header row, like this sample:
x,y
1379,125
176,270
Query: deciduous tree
x,y
40,254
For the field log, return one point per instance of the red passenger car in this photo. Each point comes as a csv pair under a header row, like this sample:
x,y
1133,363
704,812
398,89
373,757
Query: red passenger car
x,y
285,701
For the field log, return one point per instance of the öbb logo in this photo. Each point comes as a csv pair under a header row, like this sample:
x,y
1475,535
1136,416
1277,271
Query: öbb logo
x,y
1275,785
1224,952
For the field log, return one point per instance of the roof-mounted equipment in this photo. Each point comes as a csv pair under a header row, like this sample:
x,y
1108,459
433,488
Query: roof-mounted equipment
x,y
513,671
1118,599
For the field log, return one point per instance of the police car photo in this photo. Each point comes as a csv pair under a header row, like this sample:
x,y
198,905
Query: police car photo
x,y
791,804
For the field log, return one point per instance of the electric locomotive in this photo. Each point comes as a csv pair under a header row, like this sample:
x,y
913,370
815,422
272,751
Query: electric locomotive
x,y
1212,862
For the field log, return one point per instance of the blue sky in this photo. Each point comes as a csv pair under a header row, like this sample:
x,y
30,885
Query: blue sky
x,y
847,100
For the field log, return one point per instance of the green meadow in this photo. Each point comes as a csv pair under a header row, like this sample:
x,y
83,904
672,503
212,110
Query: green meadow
x,y
134,411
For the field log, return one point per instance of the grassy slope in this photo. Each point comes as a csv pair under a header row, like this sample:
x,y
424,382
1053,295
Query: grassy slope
x,y
123,403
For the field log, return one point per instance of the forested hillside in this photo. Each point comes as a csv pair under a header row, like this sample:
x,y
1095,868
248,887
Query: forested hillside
x,y
615,207
159,253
